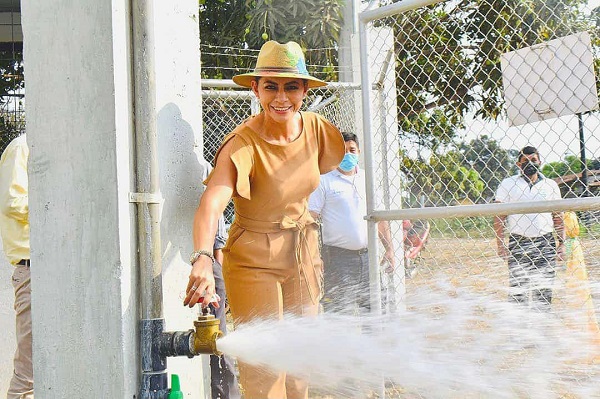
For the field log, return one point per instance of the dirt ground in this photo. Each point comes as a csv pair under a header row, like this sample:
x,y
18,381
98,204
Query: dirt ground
x,y
473,263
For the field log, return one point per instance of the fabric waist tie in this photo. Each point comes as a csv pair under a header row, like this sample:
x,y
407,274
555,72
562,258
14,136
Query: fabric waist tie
x,y
300,243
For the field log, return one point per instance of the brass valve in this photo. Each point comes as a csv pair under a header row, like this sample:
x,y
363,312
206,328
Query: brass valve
x,y
206,334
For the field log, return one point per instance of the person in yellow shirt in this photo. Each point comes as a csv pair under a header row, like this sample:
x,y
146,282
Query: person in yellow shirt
x,y
14,227
578,298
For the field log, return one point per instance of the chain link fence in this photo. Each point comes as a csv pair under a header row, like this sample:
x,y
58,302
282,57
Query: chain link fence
x,y
458,88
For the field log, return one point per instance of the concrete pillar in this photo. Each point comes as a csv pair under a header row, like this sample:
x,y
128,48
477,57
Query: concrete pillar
x,y
349,64
80,127
79,132
349,50
181,168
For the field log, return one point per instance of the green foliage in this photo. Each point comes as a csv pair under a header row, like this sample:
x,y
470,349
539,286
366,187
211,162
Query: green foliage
x,y
443,180
492,162
11,66
235,24
472,227
448,57
570,165
589,231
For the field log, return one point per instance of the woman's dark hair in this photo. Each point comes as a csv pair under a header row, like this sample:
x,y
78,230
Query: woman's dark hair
x,y
257,79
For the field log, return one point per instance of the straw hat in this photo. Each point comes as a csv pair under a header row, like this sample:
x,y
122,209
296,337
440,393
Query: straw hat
x,y
280,61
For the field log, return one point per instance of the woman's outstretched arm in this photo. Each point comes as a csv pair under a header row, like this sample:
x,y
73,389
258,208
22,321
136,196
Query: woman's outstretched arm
x,y
215,198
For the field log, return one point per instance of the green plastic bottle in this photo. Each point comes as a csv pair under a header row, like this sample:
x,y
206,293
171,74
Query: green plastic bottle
x,y
175,388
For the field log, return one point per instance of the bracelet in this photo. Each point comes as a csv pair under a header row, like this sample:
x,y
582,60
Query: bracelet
x,y
196,254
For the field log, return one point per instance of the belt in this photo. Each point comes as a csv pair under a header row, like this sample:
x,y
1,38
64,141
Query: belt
x,y
24,262
301,244
359,252
518,237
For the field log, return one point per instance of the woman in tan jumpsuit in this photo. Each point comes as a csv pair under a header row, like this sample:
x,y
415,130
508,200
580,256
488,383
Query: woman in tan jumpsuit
x,y
269,165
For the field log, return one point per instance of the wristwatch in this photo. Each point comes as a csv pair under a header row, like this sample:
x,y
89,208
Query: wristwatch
x,y
196,254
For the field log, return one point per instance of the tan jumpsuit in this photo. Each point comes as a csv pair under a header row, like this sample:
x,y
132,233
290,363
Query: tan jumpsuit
x,y
271,262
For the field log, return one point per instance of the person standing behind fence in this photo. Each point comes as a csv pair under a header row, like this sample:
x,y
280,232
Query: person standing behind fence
x,y
14,226
578,297
532,249
269,165
340,202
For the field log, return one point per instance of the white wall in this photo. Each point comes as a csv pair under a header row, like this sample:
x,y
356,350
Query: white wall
x,y
179,128
349,64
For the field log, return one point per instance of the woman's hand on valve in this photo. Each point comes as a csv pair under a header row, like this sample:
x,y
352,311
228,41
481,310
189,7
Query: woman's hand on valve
x,y
201,284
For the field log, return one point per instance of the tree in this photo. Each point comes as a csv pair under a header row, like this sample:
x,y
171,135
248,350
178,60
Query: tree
x,y
442,179
570,165
230,26
492,162
448,56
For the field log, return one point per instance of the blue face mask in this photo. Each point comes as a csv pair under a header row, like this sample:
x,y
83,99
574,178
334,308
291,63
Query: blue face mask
x,y
349,162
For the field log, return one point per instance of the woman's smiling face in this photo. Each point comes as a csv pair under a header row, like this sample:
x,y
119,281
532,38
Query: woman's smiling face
x,y
280,98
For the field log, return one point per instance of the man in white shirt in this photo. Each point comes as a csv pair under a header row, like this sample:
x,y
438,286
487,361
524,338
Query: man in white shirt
x,y
532,249
340,203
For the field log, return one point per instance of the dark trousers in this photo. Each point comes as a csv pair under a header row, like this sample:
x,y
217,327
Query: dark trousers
x,y
531,268
223,383
346,279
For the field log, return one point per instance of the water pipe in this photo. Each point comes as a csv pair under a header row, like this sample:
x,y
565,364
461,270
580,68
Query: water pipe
x,y
147,198
157,345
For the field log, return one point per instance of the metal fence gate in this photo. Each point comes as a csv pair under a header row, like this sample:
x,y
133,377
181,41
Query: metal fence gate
x,y
441,134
